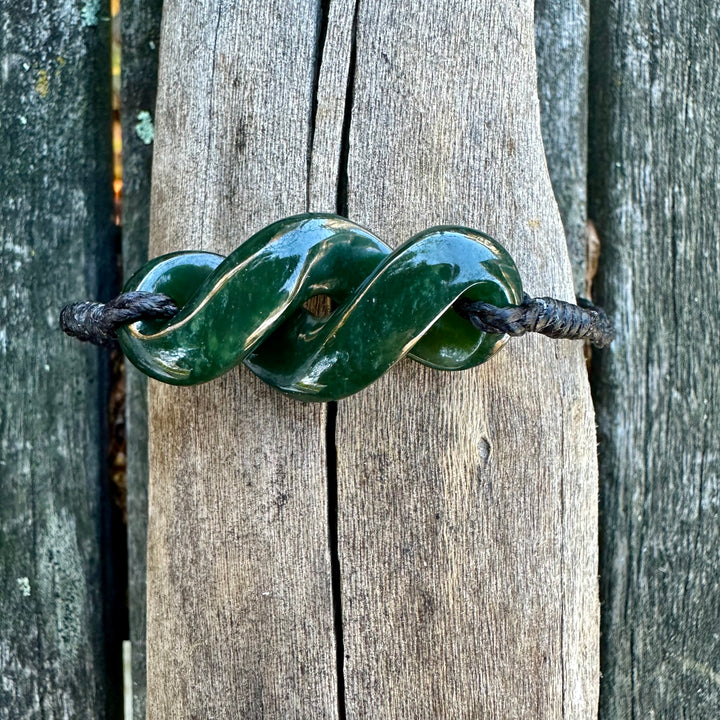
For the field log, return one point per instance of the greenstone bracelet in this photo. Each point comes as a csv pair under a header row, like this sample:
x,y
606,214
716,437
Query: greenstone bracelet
x,y
250,307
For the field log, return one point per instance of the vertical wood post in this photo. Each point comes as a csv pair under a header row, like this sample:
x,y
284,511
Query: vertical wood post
x,y
140,29
461,515
561,42
655,194
59,652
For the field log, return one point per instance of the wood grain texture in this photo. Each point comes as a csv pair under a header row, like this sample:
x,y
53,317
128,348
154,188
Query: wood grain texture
x,y
59,649
561,41
140,31
466,502
563,101
240,617
655,194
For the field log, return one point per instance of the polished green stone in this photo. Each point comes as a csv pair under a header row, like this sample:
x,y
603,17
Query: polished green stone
x,y
248,307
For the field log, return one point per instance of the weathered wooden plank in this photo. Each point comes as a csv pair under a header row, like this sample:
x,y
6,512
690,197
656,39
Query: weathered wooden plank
x,y
59,652
466,502
561,41
561,31
240,617
545,627
140,27
654,194
140,23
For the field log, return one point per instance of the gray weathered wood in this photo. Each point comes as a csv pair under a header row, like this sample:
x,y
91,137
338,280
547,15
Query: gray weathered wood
x,y
561,41
59,652
467,502
140,45
240,617
655,196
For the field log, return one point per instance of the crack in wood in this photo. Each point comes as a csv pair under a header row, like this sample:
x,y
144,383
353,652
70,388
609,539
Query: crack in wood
x,y
333,507
322,24
342,182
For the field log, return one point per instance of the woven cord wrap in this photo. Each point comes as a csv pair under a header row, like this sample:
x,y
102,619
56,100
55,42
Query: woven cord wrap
x,y
98,323
548,316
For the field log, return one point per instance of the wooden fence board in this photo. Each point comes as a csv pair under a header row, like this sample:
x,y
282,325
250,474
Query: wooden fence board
x,y
59,645
467,502
140,32
654,194
240,617
463,589
561,31
561,41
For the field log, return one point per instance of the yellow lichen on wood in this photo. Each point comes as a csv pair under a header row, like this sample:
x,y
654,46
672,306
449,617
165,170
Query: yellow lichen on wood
x,y
42,84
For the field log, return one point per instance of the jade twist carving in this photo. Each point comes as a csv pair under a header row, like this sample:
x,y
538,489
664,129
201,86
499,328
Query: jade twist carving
x,y
249,307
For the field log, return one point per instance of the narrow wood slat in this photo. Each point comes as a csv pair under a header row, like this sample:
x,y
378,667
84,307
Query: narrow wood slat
x,y
561,41
240,620
467,502
59,644
654,194
140,32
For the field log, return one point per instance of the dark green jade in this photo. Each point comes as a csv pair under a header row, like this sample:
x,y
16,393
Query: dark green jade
x,y
248,307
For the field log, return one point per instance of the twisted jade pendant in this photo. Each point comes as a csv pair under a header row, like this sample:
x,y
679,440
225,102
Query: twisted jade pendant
x,y
249,307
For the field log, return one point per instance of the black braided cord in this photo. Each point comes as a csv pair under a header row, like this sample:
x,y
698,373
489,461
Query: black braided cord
x,y
98,322
548,316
